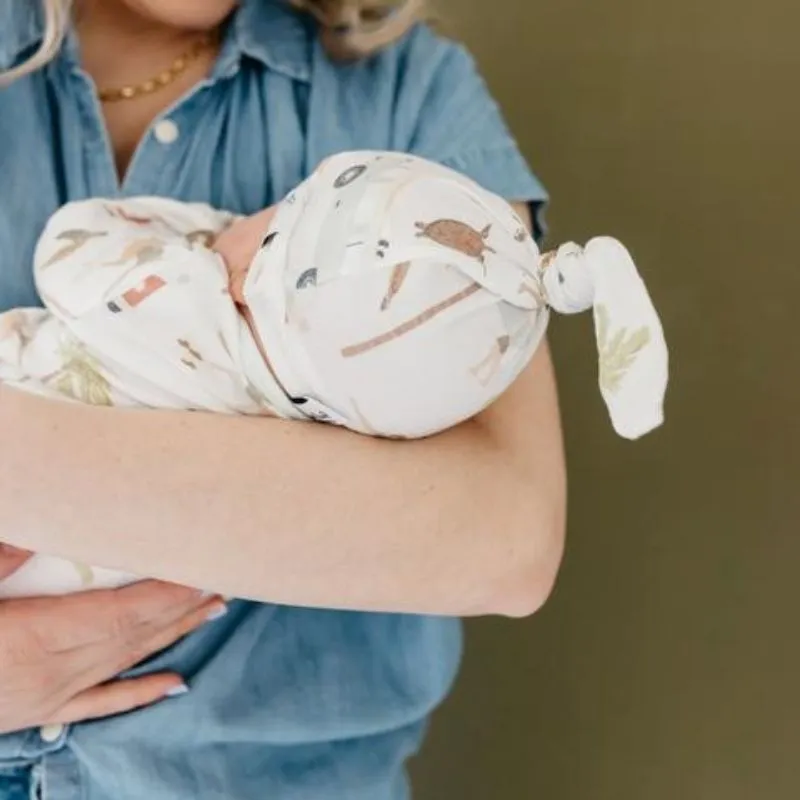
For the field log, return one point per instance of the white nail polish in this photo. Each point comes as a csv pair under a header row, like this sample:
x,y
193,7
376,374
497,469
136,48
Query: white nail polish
x,y
217,613
178,690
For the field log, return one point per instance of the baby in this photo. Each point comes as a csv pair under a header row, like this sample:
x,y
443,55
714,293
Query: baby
x,y
386,294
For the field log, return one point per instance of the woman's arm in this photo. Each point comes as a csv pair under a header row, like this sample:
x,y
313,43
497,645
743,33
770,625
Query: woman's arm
x,y
468,522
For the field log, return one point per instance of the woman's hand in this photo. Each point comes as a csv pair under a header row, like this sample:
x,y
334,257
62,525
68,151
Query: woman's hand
x,y
59,656
11,559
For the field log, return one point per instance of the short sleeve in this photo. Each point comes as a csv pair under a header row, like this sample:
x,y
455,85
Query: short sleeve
x,y
459,123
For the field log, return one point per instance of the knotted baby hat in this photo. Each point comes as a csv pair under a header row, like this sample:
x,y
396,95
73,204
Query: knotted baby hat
x,y
398,298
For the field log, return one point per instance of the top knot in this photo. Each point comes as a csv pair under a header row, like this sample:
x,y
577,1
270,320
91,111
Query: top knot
x,y
568,279
632,353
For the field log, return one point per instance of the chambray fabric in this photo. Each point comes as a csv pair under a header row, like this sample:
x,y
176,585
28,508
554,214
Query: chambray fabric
x,y
285,703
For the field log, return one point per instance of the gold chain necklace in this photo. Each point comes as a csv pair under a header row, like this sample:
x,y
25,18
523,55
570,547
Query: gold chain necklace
x,y
163,79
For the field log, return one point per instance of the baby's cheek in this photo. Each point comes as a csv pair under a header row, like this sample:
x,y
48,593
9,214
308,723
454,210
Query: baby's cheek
x,y
238,278
226,244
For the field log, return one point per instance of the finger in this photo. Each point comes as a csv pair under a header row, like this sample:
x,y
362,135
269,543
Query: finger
x,y
108,658
161,637
94,665
11,559
84,619
145,601
118,697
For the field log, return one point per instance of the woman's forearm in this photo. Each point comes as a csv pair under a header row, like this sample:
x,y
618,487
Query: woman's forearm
x,y
467,522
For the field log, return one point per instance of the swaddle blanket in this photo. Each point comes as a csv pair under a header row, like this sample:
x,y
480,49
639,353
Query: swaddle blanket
x,y
391,296
137,314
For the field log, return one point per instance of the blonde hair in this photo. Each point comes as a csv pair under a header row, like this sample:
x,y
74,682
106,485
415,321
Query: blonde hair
x,y
349,29
56,21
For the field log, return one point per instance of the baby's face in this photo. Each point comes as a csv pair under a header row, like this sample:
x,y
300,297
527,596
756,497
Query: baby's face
x,y
238,246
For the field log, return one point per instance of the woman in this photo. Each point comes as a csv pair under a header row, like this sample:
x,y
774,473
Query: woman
x,y
233,105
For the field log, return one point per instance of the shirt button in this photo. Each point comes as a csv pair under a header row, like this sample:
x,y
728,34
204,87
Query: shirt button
x,y
166,131
51,733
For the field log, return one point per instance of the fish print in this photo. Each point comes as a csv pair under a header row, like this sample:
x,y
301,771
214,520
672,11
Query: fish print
x,y
75,240
141,251
120,213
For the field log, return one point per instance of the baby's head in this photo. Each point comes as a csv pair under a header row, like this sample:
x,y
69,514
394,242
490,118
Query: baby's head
x,y
395,296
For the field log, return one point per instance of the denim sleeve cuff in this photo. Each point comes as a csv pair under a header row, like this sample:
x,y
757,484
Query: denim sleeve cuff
x,y
504,171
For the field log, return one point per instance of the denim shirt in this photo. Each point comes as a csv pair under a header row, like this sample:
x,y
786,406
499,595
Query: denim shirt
x,y
288,703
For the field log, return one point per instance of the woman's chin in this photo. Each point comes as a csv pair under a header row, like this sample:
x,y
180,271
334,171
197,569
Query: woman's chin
x,y
199,15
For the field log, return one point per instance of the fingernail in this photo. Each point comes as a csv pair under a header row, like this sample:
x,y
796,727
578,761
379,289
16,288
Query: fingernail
x,y
218,611
178,690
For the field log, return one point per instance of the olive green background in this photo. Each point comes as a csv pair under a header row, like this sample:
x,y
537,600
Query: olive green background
x,y
667,664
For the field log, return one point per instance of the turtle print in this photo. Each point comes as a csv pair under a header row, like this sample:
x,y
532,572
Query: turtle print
x,y
457,236
349,175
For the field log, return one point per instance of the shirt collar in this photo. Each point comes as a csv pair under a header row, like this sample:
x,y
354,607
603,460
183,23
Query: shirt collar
x,y
268,31
20,29
271,32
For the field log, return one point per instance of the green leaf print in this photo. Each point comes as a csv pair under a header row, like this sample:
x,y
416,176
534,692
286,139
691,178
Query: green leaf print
x,y
617,353
80,377
86,574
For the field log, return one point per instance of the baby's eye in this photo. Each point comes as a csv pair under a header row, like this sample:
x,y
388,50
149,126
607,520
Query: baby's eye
x,y
268,239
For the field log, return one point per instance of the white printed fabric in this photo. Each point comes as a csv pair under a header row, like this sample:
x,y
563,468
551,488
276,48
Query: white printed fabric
x,y
391,295
398,298
137,314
